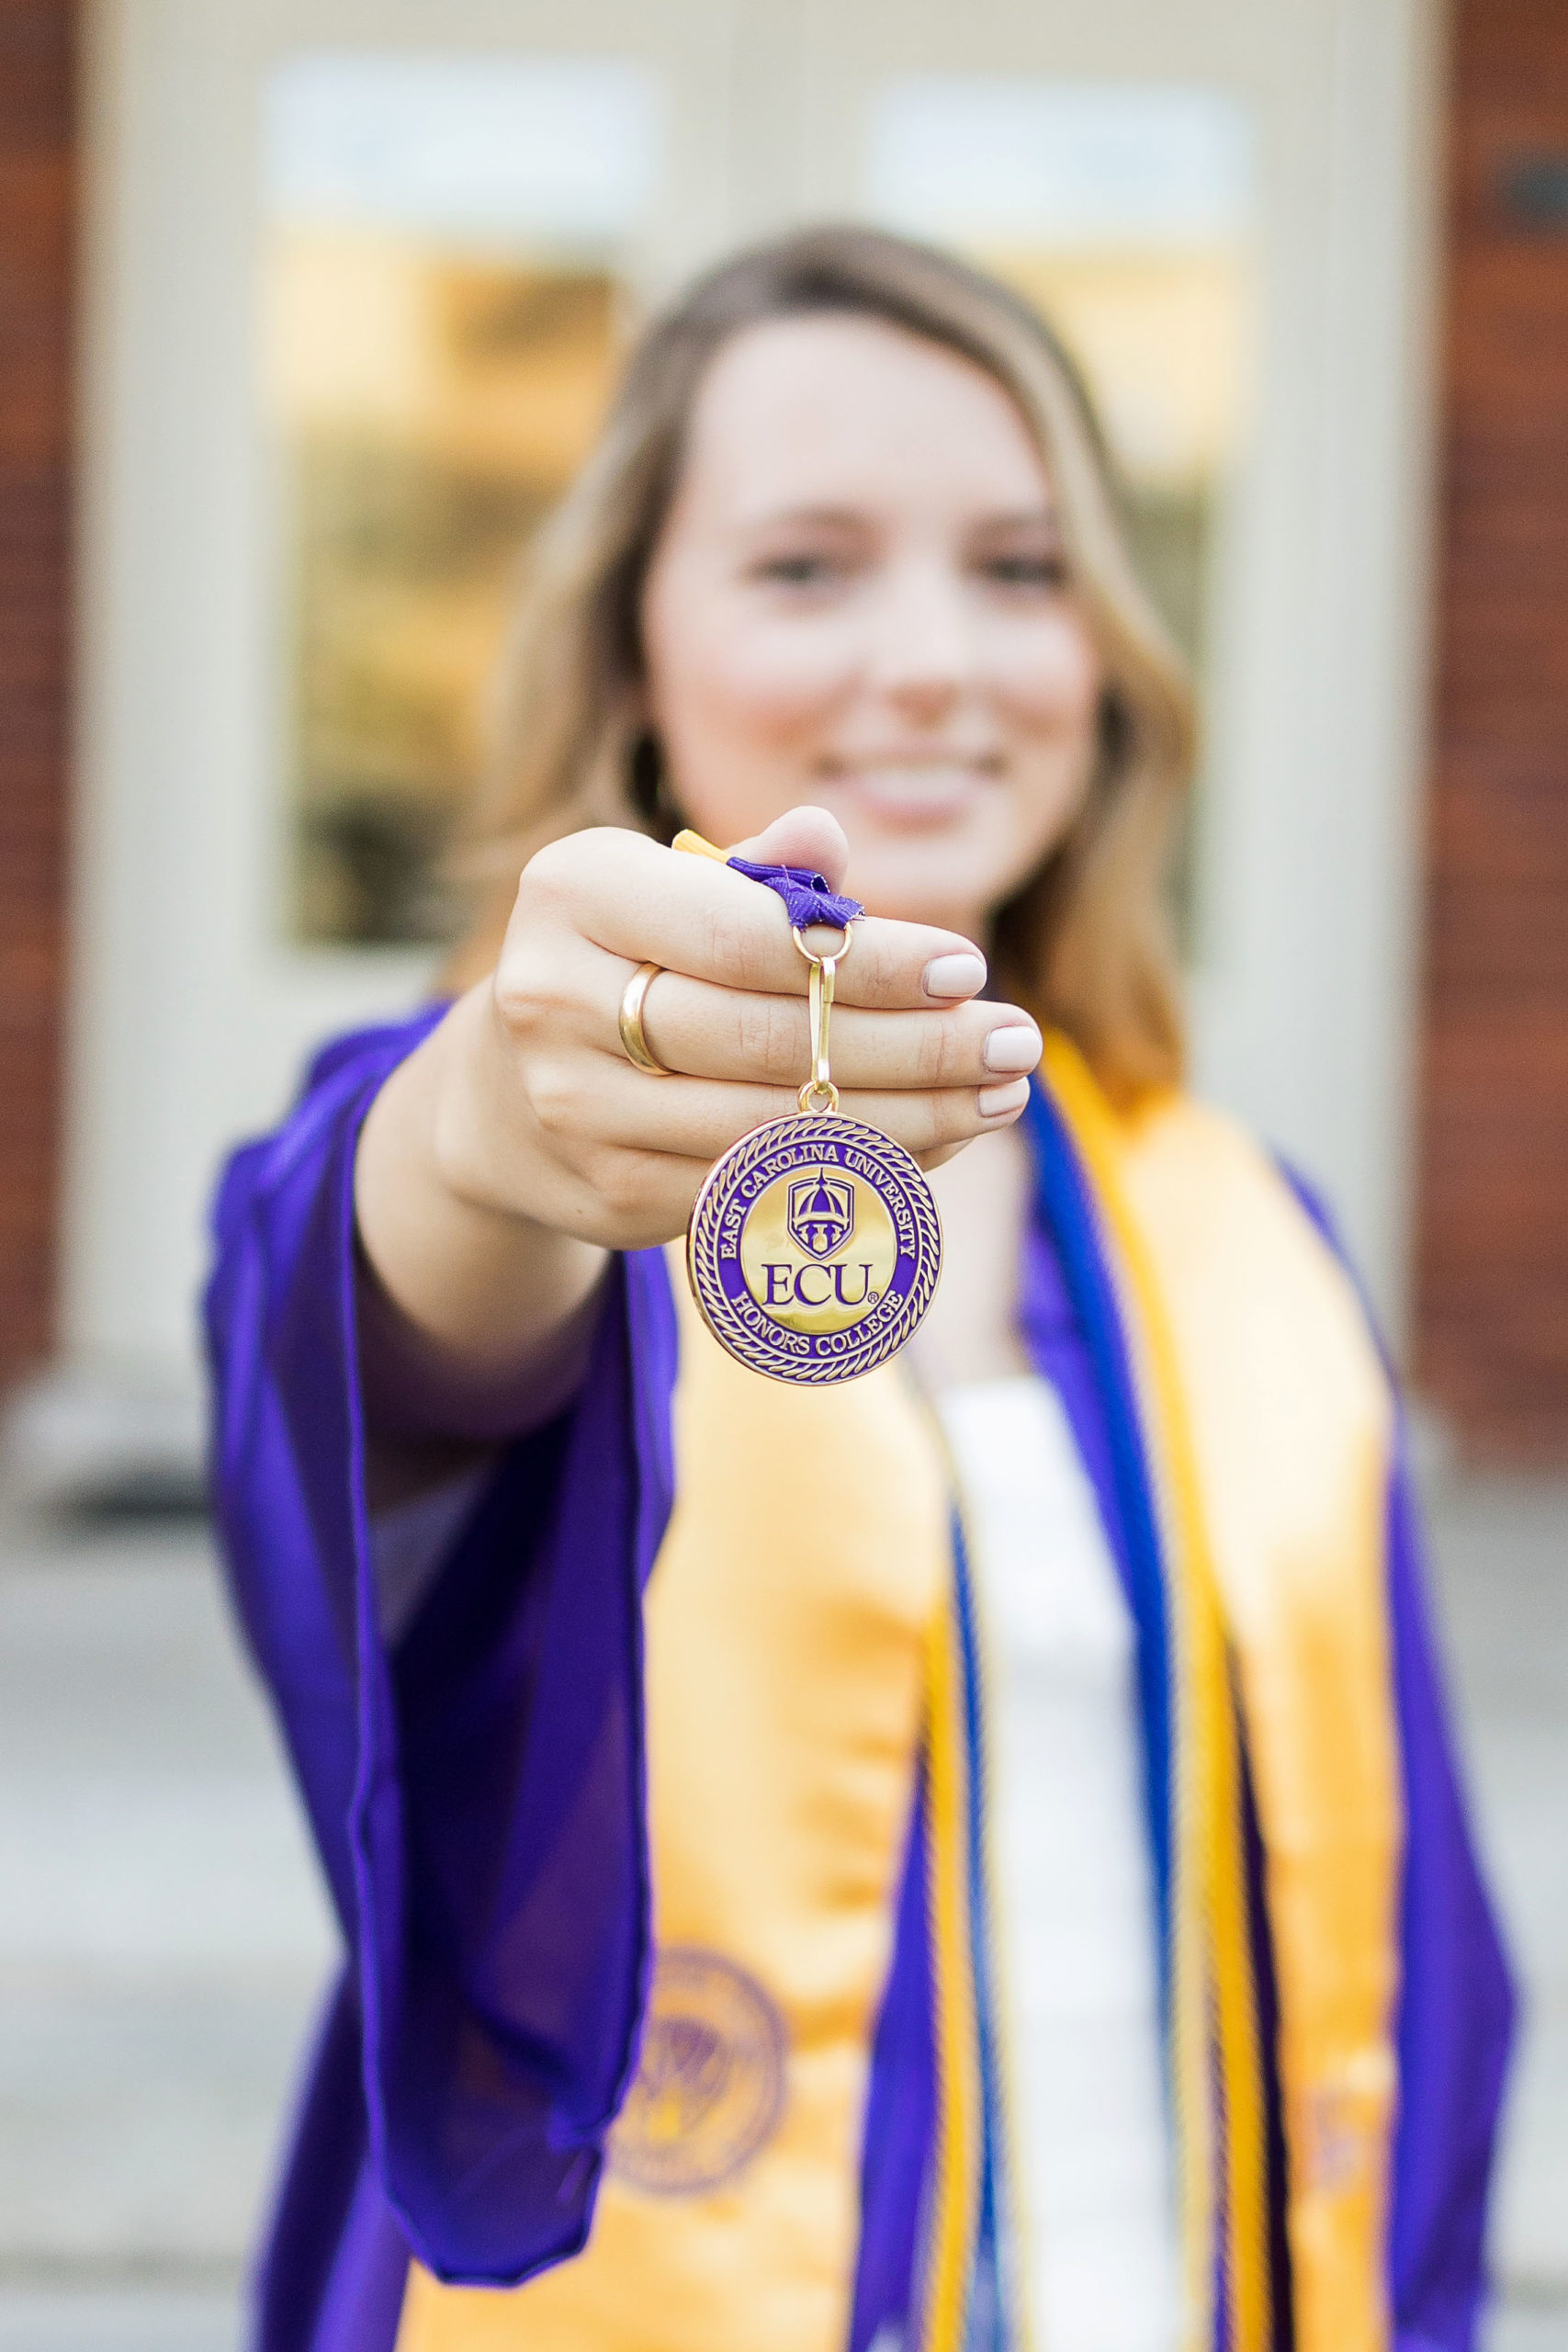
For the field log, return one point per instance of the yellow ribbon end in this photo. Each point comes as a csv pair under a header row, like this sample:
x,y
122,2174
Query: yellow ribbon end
x,y
694,846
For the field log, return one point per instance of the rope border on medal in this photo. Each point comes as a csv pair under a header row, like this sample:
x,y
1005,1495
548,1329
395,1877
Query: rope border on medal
x,y
850,1362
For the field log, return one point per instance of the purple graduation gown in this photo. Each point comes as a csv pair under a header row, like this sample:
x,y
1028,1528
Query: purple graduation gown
x,y
476,1795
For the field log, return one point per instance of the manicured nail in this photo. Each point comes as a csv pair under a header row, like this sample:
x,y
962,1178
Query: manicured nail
x,y
955,974
997,1101
1017,1047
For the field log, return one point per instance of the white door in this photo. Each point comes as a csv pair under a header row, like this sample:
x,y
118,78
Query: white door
x,y
240,814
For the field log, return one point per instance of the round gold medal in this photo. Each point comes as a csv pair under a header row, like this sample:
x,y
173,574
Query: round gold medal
x,y
815,1247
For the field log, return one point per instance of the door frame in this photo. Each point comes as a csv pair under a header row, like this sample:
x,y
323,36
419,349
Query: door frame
x,y
189,1020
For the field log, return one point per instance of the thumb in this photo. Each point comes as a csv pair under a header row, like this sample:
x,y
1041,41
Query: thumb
x,y
800,837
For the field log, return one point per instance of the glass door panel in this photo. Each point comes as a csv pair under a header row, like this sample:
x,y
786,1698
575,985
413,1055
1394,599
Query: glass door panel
x,y
1125,213
448,248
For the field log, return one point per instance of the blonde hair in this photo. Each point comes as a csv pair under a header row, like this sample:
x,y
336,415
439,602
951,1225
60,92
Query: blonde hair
x,y
1085,944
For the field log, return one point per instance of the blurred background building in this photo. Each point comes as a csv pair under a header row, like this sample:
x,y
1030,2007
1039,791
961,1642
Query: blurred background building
x,y
308,309
311,309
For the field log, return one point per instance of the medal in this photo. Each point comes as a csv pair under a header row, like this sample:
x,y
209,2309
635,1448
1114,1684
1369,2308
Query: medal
x,y
815,1247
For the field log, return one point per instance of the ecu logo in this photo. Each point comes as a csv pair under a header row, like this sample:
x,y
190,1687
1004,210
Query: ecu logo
x,y
821,1213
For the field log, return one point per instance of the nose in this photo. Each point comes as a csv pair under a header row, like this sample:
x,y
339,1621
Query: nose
x,y
924,656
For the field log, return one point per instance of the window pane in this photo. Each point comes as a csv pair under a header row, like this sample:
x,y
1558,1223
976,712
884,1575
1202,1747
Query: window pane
x,y
1125,213
448,246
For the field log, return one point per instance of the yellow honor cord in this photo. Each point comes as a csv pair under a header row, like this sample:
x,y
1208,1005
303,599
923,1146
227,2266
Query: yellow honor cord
x,y
949,2251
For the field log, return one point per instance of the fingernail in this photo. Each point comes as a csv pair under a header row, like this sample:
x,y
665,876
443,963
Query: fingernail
x,y
997,1101
1017,1047
955,974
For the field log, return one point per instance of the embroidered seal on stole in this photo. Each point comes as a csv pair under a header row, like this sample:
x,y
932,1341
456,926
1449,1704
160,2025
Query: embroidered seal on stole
x,y
710,2082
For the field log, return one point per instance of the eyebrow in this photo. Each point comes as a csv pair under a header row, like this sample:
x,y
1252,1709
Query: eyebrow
x,y
838,517
1024,518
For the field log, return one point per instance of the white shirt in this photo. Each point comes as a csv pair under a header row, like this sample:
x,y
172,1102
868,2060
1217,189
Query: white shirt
x,y
1074,1881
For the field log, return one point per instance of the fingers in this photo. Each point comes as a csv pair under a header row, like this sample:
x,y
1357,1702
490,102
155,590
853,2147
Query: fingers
x,y
695,1118
703,1032
916,1052
692,915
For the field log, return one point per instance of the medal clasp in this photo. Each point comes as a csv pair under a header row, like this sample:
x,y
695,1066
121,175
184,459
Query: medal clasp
x,y
819,1093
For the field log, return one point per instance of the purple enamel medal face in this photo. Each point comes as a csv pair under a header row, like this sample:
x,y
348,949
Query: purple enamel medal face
x,y
814,1248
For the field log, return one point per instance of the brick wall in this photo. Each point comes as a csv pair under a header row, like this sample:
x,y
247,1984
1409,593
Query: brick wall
x,y
1493,1270
36,197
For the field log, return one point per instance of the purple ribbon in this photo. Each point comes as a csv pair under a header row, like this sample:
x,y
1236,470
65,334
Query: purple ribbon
x,y
807,897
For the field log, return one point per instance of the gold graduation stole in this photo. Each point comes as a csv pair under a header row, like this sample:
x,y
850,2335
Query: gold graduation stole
x,y
791,1682
785,1675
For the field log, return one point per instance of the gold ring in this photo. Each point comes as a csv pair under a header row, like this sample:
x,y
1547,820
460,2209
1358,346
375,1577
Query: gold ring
x,y
634,996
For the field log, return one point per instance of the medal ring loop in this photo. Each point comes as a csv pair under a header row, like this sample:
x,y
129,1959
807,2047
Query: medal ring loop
x,y
819,1093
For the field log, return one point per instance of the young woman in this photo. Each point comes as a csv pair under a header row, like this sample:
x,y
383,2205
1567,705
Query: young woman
x,y
957,1861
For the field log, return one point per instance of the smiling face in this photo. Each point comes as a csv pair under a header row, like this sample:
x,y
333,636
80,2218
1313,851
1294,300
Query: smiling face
x,y
858,600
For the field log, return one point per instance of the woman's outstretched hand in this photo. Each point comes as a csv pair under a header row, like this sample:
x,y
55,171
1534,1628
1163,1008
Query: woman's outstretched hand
x,y
546,1117
519,1144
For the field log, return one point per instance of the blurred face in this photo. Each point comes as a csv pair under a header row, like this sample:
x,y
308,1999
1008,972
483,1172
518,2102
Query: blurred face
x,y
858,600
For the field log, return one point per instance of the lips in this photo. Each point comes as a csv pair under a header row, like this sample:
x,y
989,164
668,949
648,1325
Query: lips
x,y
915,795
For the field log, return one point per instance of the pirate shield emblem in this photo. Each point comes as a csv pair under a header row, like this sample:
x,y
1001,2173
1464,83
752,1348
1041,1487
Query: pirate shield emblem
x,y
821,1213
